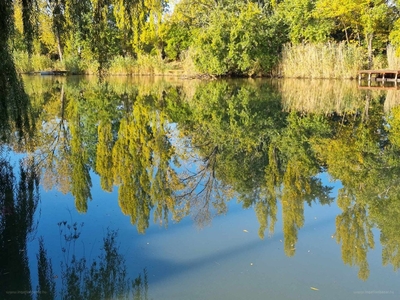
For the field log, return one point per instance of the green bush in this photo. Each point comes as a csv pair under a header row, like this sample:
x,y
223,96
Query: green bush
x,y
73,65
240,40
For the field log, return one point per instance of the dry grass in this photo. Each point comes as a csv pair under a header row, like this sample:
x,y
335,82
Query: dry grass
x,y
392,58
332,60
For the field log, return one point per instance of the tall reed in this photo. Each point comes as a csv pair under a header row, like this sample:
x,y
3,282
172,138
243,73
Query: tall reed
x,y
121,65
331,60
392,57
34,63
143,65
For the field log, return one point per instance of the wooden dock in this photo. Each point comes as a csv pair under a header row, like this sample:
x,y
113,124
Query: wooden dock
x,y
382,75
379,88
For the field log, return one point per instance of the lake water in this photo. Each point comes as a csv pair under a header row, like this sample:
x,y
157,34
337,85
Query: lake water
x,y
159,188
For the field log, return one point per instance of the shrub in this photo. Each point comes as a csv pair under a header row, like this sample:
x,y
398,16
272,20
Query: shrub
x,y
240,39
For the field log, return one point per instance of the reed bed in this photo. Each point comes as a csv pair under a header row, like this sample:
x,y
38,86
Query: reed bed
x,y
36,62
331,60
392,58
188,65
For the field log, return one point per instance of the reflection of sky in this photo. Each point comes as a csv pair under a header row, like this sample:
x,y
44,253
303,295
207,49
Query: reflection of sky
x,y
226,260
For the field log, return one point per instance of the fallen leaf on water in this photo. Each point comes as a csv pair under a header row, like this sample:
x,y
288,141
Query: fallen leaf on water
x,y
245,230
314,289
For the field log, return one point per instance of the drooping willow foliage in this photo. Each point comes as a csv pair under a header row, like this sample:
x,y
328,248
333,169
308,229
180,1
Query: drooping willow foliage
x,y
13,100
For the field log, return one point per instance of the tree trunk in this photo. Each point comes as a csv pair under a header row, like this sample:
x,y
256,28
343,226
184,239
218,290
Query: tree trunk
x,y
369,41
59,45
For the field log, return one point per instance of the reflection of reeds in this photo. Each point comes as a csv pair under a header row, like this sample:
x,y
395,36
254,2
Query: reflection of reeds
x,y
392,100
321,96
333,96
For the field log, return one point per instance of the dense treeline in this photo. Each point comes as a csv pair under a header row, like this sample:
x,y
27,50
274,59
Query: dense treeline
x,y
223,37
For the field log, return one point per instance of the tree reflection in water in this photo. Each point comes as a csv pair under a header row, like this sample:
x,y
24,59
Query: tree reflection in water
x,y
104,278
18,203
189,148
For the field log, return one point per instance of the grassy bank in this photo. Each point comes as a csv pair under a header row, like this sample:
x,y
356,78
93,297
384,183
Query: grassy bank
x,y
119,65
315,61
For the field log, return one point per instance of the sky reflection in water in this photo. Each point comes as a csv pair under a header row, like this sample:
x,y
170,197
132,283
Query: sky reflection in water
x,y
220,161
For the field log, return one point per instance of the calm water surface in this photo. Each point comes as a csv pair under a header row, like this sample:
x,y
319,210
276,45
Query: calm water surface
x,y
139,188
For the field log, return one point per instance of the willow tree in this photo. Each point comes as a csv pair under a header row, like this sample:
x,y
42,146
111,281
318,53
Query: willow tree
x,y
14,104
140,22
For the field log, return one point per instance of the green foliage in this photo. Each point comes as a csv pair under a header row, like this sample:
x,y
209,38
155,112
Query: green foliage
x,y
367,22
239,39
139,23
218,38
304,25
40,62
22,62
104,33
177,38
74,64
395,36
15,109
